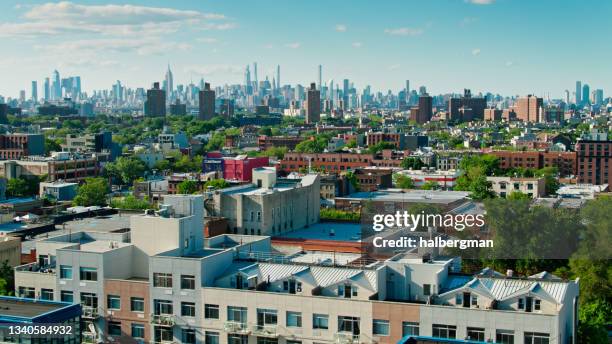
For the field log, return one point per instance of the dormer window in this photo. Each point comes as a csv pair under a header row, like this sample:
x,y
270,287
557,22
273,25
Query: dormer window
x,y
347,291
537,304
474,300
292,286
521,303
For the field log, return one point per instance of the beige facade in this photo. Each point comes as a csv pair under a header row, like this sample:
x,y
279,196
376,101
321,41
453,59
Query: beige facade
x,y
504,186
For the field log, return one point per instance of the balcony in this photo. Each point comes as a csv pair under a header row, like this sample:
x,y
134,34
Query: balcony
x,y
163,319
235,327
346,338
269,331
90,312
35,267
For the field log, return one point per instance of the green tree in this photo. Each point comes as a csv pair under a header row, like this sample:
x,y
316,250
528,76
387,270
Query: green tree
x,y
16,187
402,181
92,192
411,162
379,147
125,169
187,187
517,195
7,279
130,202
430,185
52,146
217,184
313,145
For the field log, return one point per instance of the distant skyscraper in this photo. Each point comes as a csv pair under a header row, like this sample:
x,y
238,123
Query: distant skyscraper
x,y
169,84
34,91
22,96
255,76
278,83
56,86
407,90
313,104
567,96
118,92
422,91
47,90
598,97
207,103
585,93
345,91
155,105
320,77
77,80
578,92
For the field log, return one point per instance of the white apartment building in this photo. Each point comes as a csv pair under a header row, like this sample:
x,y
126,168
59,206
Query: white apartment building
x,y
504,186
445,179
269,206
162,282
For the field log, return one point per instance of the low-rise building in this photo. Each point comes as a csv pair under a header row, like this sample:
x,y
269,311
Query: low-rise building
x,y
444,179
61,166
504,186
240,168
268,205
16,146
232,289
58,190
372,178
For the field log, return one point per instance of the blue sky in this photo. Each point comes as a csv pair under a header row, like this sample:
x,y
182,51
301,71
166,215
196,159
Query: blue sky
x,y
503,46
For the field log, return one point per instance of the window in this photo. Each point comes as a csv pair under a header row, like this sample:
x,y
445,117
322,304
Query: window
x,y
521,303
188,309
46,294
476,333
264,340
89,300
88,274
380,327
347,291
426,289
138,331
504,336
410,328
66,296
536,338
294,319
162,280
162,307
189,336
320,321
474,300
348,324
238,339
65,272
266,317
211,337
211,311
113,302
114,328
537,303
443,331
163,334
237,314
137,304
458,299
187,282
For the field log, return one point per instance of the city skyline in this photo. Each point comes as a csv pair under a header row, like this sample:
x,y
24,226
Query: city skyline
x,y
444,51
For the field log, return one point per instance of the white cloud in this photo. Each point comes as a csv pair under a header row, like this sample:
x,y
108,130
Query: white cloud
x,y
480,2
208,40
476,52
509,63
70,18
357,44
340,27
394,67
293,45
404,31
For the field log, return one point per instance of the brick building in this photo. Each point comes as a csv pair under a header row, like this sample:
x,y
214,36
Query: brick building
x,y
565,162
16,146
594,159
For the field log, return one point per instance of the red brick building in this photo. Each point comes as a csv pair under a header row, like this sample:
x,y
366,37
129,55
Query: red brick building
x,y
594,159
330,162
264,142
565,162
241,167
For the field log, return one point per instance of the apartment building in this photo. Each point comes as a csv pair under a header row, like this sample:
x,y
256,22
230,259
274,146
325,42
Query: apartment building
x,y
264,142
594,159
329,162
269,205
444,179
504,186
16,146
565,162
233,289
61,166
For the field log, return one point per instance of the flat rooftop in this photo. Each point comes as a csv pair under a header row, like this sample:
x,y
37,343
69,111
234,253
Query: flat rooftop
x,y
106,223
338,231
100,246
410,196
27,309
